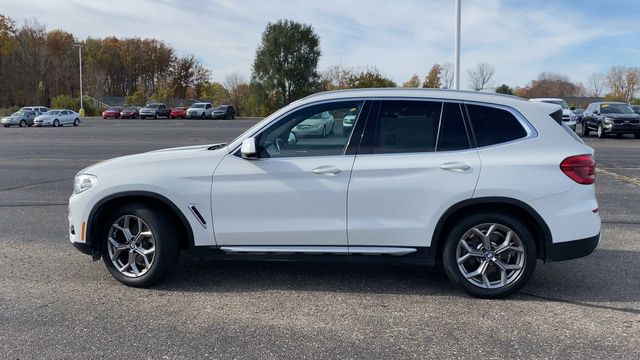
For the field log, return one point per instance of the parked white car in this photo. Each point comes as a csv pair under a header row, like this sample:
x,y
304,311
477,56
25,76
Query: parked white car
x,y
57,117
39,110
201,110
568,117
321,124
483,183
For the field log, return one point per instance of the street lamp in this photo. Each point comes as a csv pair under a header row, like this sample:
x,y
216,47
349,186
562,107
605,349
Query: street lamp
x,y
79,46
457,46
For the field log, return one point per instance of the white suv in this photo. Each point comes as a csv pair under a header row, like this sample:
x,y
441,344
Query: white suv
x,y
569,118
483,184
202,110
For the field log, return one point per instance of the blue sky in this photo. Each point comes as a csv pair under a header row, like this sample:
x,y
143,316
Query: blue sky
x,y
519,38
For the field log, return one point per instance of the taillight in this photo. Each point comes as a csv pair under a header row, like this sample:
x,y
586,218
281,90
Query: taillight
x,y
580,168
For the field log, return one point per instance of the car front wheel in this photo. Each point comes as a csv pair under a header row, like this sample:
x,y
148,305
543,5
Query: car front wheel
x,y
585,130
140,245
601,133
489,255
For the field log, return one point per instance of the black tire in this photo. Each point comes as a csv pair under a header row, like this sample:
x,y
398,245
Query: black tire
x,y
324,131
637,136
167,244
332,129
76,122
155,117
6,125
23,123
601,133
467,223
585,130
56,123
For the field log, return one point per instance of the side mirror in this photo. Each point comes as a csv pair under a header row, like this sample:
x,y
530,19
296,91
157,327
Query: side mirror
x,y
572,108
248,149
293,139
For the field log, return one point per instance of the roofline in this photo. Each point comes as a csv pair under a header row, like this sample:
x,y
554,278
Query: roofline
x,y
413,89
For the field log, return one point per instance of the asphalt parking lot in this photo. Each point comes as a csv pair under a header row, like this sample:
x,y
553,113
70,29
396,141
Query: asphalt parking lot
x,y
56,303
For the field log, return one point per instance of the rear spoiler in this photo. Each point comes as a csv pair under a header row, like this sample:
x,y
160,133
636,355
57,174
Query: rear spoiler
x,y
557,116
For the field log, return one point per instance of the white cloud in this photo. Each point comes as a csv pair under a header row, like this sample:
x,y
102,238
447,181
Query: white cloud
x,y
399,38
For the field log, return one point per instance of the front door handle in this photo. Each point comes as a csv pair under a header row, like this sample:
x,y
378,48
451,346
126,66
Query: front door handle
x,y
455,166
326,170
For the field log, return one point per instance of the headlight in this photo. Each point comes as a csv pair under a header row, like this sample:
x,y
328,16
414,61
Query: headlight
x,y
608,121
84,181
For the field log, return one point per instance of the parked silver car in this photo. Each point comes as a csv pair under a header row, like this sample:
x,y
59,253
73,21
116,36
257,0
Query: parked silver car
x,y
39,110
19,118
58,117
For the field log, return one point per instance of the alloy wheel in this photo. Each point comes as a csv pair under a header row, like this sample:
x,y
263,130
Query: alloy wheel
x,y
490,256
131,246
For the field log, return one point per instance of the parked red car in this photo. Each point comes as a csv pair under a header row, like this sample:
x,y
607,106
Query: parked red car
x,y
112,112
178,113
129,112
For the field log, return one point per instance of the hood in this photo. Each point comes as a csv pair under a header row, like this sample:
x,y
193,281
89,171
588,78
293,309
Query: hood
x,y
567,112
622,116
161,158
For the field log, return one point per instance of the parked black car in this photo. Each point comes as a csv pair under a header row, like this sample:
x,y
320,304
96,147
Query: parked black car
x,y
224,112
610,118
636,108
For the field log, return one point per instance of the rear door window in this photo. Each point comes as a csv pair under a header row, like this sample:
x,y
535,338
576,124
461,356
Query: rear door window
x,y
492,125
453,133
407,126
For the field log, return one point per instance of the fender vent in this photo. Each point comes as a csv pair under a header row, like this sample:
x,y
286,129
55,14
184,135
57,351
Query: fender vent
x,y
198,216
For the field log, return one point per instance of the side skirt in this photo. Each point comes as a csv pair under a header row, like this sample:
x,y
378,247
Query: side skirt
x,y
358,254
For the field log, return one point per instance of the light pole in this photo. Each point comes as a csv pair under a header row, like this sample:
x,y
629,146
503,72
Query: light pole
x,y
79,46
457,46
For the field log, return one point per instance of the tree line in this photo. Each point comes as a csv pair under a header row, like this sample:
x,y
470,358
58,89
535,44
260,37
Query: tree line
x,y
38,66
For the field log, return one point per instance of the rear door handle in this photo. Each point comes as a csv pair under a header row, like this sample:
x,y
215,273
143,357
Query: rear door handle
x,y
326,170
455,166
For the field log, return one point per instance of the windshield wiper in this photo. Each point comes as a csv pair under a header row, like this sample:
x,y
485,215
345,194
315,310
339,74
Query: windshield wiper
x,y
216,146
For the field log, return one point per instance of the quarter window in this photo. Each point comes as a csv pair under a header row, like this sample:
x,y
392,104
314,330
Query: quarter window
x,y
316,130
494,126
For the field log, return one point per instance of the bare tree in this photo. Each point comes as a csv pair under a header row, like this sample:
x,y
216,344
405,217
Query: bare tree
x,y
595,84
480,76
237,86
623,82
447,75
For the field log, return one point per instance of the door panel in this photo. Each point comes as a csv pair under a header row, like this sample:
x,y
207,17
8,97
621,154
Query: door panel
x,y
396,199
281,201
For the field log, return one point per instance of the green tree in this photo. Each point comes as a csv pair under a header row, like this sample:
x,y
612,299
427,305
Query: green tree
x,y
414,81
286,61
504,89
215,92
369,78
138,98
433,77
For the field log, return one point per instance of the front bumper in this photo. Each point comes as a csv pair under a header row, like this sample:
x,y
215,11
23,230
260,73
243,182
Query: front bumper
x,y
9,122
308,132
621,129
571,249
194,115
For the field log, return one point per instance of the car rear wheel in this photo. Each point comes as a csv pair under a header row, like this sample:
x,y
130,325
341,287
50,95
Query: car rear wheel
x,y
56,123
489,255
23,123
6,125
585,130
76,122
140,245
601,133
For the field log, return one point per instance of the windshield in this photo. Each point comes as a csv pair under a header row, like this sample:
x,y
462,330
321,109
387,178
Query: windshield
x,y
113,109
153,106
562,103
20,113
52,112
616,109
221,108
198,106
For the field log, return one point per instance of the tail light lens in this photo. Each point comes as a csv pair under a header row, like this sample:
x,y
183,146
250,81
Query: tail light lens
x,y
580,168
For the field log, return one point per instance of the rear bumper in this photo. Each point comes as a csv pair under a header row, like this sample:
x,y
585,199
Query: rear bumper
x,y
571,249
